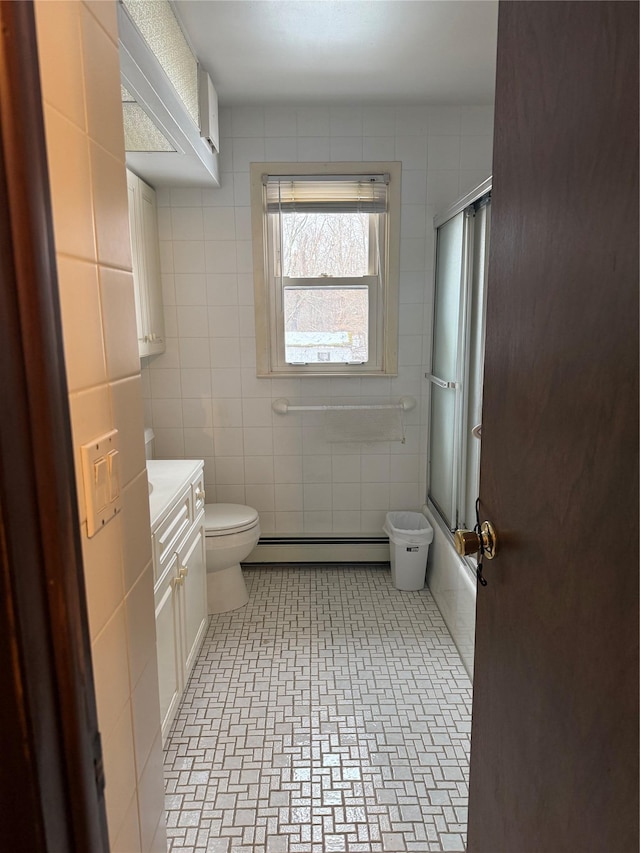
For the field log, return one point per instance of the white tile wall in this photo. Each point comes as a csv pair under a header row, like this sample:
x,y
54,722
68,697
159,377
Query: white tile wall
x,y
79,66
203,395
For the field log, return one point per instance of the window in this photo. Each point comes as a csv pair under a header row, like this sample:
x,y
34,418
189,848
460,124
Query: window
x,y
326,268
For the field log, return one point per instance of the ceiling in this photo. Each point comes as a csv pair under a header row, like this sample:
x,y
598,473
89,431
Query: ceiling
x,y
313,51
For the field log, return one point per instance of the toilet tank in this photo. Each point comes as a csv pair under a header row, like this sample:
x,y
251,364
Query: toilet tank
x,y
149,443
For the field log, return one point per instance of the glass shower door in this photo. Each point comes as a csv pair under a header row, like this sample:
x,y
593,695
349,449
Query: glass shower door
x,y
445,374
474,369
456,376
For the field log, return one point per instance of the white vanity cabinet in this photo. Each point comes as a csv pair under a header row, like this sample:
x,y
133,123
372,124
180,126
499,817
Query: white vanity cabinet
x,y
192,570
180,574
145,258
170,677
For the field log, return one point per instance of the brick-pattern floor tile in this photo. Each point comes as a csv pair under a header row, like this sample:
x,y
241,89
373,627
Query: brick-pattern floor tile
x,y
332,713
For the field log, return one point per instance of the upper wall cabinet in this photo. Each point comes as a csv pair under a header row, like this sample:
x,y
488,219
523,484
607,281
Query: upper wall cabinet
x,y
145,255
169,105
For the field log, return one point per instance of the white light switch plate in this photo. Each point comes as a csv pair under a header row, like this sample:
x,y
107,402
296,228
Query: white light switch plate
x,y
101,480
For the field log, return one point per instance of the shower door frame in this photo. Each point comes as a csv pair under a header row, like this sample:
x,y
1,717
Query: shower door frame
x,y
459,384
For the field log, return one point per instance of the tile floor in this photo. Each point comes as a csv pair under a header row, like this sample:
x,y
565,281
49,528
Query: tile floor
x,y
332,713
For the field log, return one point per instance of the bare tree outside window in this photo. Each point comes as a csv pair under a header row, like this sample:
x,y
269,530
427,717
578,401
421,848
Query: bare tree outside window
x,y
325,244
327,323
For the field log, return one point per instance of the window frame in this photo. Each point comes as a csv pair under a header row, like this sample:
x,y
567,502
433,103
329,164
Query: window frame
x,y
383,289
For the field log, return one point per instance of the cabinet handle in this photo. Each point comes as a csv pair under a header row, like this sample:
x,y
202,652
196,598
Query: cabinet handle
x,y
184,571
200,494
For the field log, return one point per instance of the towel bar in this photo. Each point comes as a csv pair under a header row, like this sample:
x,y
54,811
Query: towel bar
x,y
282,406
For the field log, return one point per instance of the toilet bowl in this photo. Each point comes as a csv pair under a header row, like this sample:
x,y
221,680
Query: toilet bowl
x,y
232,532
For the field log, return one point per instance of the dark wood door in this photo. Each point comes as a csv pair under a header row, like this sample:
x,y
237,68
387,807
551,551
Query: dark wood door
x,y
51,772
554,749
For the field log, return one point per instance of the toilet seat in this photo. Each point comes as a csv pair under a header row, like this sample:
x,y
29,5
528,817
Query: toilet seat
x,y
226,519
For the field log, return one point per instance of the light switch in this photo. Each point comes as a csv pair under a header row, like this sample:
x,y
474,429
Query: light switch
x,y
113,460
101,480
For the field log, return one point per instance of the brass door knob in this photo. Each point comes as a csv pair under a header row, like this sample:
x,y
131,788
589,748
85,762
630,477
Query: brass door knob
x,y
468,541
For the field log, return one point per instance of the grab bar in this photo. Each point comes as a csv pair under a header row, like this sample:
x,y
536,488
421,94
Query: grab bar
x,y
282,406
441,383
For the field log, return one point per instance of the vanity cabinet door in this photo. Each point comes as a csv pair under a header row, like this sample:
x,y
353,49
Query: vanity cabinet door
x,y
145,260
170,667
151,249
193,571
137,263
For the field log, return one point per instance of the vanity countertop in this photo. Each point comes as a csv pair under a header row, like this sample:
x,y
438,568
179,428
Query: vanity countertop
x,y
167,477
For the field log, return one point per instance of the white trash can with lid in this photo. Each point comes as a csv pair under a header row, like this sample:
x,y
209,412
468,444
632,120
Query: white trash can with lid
x,y
410,535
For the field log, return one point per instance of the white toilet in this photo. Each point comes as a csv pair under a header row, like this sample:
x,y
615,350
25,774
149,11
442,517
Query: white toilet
x,y
232,532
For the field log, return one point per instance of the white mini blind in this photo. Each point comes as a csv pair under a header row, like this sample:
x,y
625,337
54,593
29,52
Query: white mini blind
x,y
326,193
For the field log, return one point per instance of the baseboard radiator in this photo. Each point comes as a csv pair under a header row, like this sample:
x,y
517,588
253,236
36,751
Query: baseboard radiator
x,y
314,548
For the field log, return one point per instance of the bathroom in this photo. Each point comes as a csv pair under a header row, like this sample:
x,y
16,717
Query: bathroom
x,y
201,396
281,464
188,415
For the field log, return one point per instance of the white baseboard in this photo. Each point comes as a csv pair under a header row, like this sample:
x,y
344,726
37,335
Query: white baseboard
x,y
314,548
